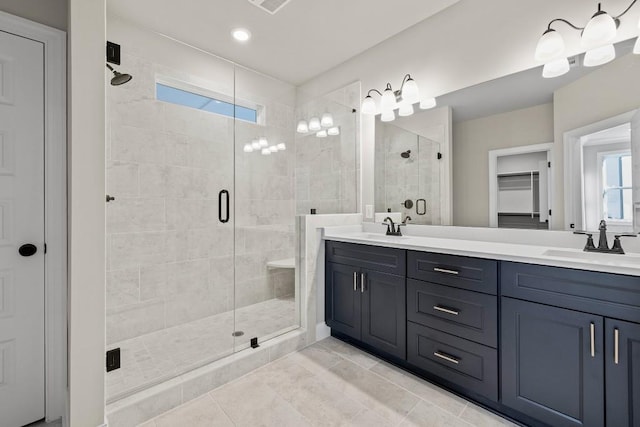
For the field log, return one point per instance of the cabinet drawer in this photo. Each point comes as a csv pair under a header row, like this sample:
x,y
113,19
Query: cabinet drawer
x,y
606,294
473,274
465,363
466,314
377,258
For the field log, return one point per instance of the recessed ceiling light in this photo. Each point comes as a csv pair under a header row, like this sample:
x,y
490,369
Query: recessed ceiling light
x,y
241,34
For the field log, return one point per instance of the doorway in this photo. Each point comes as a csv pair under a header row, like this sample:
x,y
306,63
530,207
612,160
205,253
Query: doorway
x,y
32,222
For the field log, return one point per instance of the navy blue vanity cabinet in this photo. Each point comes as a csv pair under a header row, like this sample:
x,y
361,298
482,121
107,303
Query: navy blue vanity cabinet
x,y
548,369
343,305
452,313
365,295
571,345
622,372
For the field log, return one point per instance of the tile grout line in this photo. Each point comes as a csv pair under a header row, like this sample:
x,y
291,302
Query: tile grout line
x,y
400,386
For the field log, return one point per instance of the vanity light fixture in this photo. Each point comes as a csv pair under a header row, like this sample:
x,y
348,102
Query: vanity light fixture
x,y
255,144
402,99
266,152
281,146
264,143
321,126
248,148
597,38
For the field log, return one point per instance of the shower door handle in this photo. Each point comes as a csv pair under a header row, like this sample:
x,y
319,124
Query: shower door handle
x,y
223,194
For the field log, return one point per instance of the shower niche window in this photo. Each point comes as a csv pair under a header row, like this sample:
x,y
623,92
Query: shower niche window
x,y
198,227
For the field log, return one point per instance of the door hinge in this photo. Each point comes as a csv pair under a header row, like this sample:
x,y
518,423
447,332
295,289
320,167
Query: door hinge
x,y
45,248
439,156
549,212
548,164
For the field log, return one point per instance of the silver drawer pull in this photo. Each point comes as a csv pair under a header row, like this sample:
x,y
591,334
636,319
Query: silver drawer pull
x,y
444,270
616,346
446,357
355,281
592,331
446,310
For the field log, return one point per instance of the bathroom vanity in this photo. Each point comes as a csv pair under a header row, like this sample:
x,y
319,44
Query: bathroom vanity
x,y
544,336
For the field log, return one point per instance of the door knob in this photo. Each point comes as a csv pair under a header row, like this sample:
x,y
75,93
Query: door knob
x,y
27,249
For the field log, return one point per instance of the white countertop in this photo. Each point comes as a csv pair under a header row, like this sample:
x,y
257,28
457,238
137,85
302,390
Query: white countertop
x,y
628,263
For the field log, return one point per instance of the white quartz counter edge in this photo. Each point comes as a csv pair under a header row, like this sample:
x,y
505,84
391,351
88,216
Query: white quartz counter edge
x,y
628,264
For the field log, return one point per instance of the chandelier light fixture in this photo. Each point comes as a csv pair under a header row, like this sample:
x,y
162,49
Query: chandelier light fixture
x,y
262,145
402,99
597,38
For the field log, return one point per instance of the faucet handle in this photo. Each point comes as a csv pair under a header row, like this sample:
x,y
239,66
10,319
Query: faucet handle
x,y
617,236
590,246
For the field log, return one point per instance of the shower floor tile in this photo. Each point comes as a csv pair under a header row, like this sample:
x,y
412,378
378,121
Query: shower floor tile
x,y
152,358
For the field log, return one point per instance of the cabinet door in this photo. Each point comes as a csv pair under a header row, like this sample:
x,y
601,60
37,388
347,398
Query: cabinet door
x,y
552,364
384,313
622,369
342,293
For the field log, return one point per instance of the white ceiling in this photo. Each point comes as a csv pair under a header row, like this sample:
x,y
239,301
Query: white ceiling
x,y
302,40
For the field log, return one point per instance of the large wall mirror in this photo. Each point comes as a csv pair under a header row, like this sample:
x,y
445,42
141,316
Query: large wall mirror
x,y
525,152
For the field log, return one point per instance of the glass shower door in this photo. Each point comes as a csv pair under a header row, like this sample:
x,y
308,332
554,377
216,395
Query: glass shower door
x,y
266,301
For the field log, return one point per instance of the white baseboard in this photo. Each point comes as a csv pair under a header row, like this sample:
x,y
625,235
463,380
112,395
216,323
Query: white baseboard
x,y
322,331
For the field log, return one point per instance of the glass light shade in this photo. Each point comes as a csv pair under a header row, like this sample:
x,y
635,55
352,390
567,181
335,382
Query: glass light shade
x,y
266,152
302,127
410,91
263,142
282,146
599,56
636,48
255,144
368,105
600,30
314,124
322,134
248,148
334,131
388,101
556,68
425,104
273,149
327,120
388,116
550,46
406,109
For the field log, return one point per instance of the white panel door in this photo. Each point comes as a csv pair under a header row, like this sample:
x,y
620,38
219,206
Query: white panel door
x,y
21,222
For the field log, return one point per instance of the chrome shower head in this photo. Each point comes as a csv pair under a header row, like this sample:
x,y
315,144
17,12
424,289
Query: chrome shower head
x,y
406,154
118,77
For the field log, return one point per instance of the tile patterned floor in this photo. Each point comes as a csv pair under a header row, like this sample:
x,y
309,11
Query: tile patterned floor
x,y
158,356
329,384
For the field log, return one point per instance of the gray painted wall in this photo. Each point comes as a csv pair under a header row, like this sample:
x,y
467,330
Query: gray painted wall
x,y
472,141
48,12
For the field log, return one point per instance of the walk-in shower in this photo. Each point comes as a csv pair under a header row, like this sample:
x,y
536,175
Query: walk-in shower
x,y
201,235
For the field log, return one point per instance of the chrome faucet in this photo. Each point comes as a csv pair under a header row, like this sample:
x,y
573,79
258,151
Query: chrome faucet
x,y
603,245
393,229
